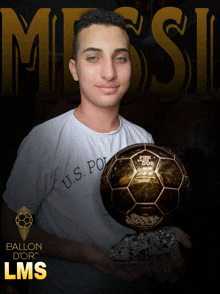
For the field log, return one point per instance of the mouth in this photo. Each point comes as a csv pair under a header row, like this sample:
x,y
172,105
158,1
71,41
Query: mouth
x,y
108,89
107,86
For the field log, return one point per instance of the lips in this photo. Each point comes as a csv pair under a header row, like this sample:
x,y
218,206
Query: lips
x,y
107,86
108,89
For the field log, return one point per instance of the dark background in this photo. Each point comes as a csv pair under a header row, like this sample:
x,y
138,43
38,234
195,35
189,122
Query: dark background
x,y
186,123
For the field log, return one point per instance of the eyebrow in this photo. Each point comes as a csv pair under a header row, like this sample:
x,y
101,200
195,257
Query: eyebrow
x,y
122,50
100,50
92,49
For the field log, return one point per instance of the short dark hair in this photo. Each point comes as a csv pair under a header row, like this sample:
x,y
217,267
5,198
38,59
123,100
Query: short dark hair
x,y
101,17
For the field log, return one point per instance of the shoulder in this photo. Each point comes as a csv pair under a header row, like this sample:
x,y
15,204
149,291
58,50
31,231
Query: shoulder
x,y
47,134
137,130
57,122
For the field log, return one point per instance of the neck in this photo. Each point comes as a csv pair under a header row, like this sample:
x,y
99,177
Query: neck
x,y
102,120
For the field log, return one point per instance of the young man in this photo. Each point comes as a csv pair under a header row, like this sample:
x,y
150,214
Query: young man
x,y
59,166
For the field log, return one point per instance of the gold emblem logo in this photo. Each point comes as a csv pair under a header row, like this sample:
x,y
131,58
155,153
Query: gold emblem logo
x,y
145,160
24,220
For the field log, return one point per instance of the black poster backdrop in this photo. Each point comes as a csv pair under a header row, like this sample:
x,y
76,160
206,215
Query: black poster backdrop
x,y
184,119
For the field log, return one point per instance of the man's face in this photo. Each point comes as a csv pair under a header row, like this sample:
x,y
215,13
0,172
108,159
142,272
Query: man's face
x,y
103,66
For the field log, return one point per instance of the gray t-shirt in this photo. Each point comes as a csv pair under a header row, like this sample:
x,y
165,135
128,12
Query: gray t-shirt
x,y
57,175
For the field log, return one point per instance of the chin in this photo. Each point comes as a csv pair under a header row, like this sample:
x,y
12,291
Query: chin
x,y
110,103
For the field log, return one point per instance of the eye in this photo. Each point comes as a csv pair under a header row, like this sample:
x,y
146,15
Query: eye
x,y
121,59
92,58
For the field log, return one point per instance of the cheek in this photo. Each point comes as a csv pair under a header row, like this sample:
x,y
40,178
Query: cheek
x,y
126,75
89,74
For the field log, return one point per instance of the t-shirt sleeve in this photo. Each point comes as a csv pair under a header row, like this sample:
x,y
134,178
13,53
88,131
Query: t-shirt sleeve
x,y
148,137
31,178
151,140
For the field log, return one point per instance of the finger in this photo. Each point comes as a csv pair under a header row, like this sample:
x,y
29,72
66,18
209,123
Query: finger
x,y
169,270
177,261
162,269
166,265
138,266
133,270
156,270
182,237
127,276
185,240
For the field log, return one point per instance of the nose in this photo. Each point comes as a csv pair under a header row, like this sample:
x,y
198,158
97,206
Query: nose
x,y
108,70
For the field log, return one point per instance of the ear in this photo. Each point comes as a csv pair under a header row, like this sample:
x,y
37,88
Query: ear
x,y
72,68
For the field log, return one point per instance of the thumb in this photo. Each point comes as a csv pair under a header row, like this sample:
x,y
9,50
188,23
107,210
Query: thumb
x,y
182,237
